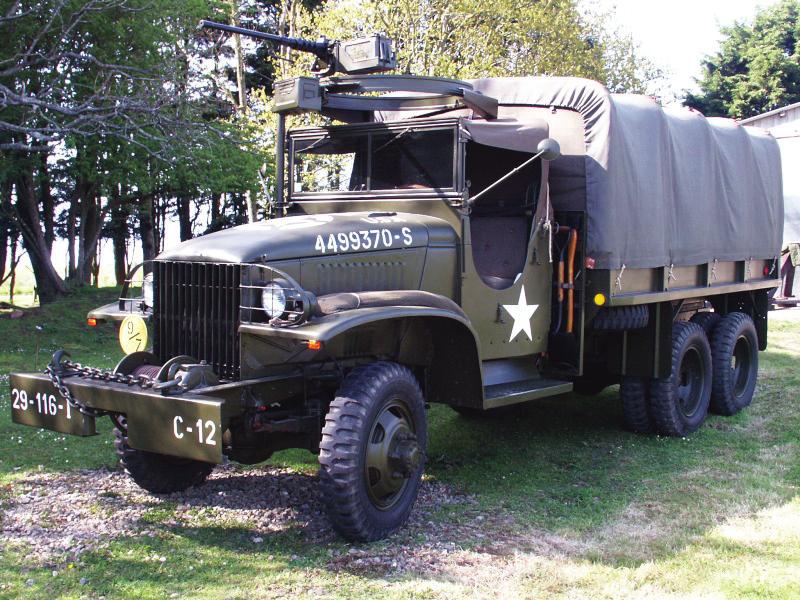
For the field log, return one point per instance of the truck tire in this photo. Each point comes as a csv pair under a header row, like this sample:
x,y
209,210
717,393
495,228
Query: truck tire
x,y
372,452
635,395
708,321
621,318
159,473
734,354
679,403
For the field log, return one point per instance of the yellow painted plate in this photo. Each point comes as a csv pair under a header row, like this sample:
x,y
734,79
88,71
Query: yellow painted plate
x,y
133,334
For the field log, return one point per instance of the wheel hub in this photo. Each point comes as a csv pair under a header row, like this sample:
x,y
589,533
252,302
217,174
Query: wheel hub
x,y
392,455
406,455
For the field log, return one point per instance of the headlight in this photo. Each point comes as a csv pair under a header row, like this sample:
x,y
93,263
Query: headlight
x,y
273,300
147,289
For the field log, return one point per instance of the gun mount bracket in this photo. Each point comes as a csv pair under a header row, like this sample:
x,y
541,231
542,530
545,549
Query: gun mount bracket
x,y
351,98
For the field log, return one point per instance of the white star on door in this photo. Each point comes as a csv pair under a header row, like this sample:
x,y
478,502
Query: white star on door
x,y
521,312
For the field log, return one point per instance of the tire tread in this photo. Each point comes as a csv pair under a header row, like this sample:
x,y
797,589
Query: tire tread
x,y
157,473
666,415
340,475
723,399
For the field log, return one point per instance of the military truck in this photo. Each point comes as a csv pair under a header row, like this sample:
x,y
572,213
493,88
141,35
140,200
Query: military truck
x,y
479,244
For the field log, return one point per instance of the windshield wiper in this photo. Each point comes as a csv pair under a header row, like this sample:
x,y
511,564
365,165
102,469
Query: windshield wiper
x,y
394,139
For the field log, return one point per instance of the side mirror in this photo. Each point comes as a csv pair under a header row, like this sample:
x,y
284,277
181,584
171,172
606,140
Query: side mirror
x,y
549,149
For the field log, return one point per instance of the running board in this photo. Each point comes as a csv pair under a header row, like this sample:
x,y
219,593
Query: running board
x,y
503,394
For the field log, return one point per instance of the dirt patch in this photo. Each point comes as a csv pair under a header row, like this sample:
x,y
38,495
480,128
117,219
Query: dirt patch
x,y
81,510
58,517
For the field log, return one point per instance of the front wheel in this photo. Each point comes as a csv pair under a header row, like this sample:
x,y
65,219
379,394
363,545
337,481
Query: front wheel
x,y
372,452
159,473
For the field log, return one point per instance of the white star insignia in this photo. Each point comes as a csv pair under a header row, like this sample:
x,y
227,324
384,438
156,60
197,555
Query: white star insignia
x,y
521,312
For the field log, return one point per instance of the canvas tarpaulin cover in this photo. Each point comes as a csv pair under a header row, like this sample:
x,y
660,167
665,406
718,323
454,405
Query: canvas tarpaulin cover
x,y
661,186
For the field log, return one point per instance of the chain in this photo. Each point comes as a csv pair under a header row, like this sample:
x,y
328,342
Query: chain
x,y
59,368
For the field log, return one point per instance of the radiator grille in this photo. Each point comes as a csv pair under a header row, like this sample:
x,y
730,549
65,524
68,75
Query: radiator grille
x,y
196,312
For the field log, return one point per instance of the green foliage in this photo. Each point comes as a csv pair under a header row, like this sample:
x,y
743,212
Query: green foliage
x,y
757,67
471,38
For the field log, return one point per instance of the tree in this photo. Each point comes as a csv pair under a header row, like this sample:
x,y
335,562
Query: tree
x,y
111,91
472,38
757,67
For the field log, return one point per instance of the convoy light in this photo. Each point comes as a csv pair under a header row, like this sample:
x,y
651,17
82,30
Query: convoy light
x,y
91,322
314,345
599,299
273,300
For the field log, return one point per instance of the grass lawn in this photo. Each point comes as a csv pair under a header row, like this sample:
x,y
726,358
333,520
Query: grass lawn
x,y
558,501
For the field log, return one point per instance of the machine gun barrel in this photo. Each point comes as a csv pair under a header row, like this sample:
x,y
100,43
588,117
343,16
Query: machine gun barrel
x,y
321,50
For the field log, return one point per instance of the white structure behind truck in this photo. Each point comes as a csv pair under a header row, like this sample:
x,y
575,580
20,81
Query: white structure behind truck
x,y
784,124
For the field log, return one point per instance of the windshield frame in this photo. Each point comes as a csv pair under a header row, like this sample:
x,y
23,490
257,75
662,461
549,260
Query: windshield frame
x,y
394,127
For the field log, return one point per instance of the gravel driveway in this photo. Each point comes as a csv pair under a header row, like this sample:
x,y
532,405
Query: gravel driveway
x,y
60,516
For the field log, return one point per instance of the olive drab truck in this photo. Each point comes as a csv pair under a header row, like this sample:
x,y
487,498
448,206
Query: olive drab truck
x,y
475,243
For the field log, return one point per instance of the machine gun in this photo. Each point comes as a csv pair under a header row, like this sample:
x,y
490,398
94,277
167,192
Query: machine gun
x,y
358,92
361,56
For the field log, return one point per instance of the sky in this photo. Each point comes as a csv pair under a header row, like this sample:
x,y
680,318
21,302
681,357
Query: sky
x,y
677,34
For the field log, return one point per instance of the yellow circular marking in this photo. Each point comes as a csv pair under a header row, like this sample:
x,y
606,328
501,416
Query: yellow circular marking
x,y
599,299
133,334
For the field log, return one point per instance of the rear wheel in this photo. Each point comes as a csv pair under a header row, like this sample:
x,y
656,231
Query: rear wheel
x,y
635,395
372,451
734,351
159,473
679,403
708,321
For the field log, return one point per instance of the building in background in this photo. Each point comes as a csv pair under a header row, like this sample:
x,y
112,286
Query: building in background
x,y
784,125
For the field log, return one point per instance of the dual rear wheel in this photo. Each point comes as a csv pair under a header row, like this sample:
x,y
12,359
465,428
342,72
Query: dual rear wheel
x,y
714,367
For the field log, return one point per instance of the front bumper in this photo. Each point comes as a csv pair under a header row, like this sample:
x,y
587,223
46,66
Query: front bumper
x,y
188,426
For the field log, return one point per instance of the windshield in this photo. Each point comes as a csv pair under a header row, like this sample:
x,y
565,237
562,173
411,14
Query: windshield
x,y
348,161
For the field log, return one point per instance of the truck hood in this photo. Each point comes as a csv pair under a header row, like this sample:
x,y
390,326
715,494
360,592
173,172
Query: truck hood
x,y
315,235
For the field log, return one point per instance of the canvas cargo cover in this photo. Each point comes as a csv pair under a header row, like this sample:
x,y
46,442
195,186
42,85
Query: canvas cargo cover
x,y
662,186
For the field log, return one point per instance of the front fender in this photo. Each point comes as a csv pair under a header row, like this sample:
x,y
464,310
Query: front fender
x,y
324,329
448,344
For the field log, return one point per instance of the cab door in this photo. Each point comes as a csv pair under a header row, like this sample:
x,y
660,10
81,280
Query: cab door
x,y
506,284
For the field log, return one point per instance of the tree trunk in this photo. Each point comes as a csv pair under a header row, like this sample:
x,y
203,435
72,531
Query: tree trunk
x,y
160,210
252,206
119,238
147,229
48,284
5,227
238,59
71,216
216,218
185,217
95,266
89,233
13,280
48,206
